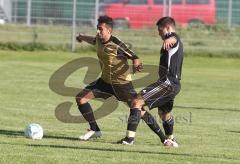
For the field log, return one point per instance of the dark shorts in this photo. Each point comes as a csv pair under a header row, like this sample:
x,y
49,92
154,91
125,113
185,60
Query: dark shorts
x,y
123,92
160,94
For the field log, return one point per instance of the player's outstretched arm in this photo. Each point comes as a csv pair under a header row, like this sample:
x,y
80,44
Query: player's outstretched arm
x,y
89,39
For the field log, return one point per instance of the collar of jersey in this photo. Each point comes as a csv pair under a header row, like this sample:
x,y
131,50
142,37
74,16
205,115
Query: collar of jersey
x,y
109,40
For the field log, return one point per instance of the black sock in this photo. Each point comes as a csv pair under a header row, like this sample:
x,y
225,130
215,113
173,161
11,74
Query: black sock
x,y
87,113
133,120
151,122
168,126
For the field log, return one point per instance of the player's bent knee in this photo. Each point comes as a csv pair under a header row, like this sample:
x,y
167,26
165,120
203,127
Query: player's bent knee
x,y
136,103
165,116
83,101
80,100
133,103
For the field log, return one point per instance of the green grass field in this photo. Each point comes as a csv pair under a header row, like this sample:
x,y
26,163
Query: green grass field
x,y
207,113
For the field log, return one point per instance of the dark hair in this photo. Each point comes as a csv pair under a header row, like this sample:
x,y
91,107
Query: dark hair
x,y
164,21
106,19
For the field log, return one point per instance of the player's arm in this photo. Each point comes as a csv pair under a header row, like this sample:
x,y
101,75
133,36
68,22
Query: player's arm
x,y
137,65
169,42
136,62
122,49
89,39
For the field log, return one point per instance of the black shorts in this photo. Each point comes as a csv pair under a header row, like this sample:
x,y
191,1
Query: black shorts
x,y
123,92
160,94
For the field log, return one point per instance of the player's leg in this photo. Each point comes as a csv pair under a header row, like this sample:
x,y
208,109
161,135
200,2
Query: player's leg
x,y
133,121
85,108
153,125
153,95
126,93
168,122
148,96
97,89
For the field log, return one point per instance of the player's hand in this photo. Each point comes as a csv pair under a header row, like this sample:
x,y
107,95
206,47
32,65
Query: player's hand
x,y
168,43
79,37
137,65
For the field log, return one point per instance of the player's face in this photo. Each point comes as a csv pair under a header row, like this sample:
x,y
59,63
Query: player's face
x,y
162,31
103,32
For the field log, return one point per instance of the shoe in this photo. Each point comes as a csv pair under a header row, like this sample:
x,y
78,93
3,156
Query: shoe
x,y
90,134
170,143
126,141
175,141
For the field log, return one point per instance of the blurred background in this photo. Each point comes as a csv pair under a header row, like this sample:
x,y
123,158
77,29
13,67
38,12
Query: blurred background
x,y
207,27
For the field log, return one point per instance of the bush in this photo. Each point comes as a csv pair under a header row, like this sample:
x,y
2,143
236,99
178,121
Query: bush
x,y
32,46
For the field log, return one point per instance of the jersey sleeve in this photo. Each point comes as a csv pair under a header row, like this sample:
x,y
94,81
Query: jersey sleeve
x,y
122,49
95,40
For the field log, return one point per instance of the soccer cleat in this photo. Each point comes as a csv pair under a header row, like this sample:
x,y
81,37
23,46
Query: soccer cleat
x,y
174,140
170,143
126,141
90,134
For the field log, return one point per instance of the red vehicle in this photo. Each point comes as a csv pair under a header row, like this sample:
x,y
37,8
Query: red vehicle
x,y
144,13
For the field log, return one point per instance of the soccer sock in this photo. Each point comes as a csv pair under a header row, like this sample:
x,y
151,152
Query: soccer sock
x,y
152,123
168,127
87,113
133,121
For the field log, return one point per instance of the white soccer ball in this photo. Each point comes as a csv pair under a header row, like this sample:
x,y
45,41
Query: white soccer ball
x,y
33,131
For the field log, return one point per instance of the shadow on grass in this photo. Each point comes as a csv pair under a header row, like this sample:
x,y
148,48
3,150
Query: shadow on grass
x,y
209,108
232,131
124,150
12,133
105,149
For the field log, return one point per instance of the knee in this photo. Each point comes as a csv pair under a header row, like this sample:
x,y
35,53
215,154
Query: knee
x,y
136,104
80,100
165,116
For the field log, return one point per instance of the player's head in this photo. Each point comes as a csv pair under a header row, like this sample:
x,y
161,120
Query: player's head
x,y
165,25
104,27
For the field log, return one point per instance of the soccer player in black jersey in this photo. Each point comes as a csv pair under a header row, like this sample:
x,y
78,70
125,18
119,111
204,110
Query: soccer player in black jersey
x,y
160,94
115,79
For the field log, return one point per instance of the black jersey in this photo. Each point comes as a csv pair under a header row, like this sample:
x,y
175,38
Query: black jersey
x,y
171,61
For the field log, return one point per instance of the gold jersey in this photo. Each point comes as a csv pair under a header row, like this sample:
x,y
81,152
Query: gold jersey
x,y
113,57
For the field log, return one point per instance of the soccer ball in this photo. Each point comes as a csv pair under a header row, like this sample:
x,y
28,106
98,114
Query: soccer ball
x,y
33,131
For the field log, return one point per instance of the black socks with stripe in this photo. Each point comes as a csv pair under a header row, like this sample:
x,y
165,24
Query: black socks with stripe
x,y
133,121
87,113
168,126
152,123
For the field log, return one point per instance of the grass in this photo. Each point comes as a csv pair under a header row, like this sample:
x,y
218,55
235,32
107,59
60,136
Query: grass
x,y
206,111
